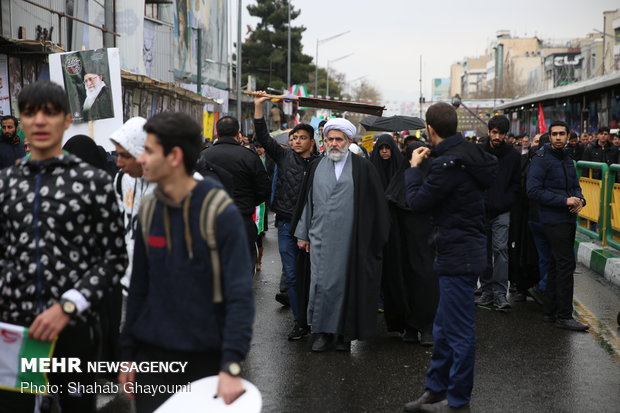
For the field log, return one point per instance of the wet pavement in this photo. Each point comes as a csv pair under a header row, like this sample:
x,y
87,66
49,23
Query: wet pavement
x,y
522,365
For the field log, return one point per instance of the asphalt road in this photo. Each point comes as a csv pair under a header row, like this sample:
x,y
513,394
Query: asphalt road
x,y
522,365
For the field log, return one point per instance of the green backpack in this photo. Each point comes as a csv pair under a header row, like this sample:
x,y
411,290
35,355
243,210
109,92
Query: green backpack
x,y
214,203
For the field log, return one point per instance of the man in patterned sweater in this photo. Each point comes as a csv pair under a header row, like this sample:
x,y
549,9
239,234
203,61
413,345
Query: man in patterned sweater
x,y
63,246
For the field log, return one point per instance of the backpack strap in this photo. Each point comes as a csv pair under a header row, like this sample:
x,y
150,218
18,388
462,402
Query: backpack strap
x,y
119,183
214,203
145,215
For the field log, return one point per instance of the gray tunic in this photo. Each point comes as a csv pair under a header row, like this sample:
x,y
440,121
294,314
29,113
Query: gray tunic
x,y
327,222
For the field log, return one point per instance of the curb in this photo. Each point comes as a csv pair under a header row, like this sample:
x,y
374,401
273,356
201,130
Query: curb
x,y
602,260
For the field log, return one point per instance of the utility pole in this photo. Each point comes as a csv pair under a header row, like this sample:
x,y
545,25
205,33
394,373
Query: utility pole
x,y
239,94
288,68
420,86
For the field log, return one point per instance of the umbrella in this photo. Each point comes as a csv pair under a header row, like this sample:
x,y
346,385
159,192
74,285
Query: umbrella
x,y
392,123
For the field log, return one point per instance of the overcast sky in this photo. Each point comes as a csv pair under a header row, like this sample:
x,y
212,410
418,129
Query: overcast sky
x,y
387,37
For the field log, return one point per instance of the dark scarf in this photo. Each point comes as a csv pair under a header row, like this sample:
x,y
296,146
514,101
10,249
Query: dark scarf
x,y
386,168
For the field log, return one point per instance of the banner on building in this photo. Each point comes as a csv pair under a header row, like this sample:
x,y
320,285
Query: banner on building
x,y
92,79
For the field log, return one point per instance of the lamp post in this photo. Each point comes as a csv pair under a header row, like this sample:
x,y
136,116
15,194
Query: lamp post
x,y
239,62
327,77
456,102
288,58
316,60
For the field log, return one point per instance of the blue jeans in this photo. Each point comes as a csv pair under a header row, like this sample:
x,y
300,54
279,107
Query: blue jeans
x,y
495,278
288,254
454,331
543,248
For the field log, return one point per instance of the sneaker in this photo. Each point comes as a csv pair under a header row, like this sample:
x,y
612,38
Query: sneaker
x,y
478,291
570,324
298,332
519,297
536,294
323,342
443,407
426,339
282,298
501,303
485,300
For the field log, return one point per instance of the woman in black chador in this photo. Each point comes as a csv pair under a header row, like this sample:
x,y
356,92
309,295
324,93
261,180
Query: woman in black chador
x,y
409,287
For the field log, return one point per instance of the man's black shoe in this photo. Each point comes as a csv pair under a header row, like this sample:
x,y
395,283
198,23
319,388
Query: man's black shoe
x,y
478,291
426,339
410,335
536,294
282,298
426,398
570,324
298,332
500,303
323,342
342,344
519,297
549,318
443,407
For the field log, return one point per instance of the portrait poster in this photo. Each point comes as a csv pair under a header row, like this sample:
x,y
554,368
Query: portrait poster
x,y
92,79
5,97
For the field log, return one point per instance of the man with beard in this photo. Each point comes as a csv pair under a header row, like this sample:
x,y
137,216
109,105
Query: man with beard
x,y
501,196
98,102
410,289
341,221
11,149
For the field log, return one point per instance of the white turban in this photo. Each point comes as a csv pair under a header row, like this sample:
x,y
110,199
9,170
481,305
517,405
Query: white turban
x,y
131,136
341,125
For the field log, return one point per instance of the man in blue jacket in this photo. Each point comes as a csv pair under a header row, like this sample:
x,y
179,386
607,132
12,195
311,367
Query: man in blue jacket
x,y
178,307
552,182
454,193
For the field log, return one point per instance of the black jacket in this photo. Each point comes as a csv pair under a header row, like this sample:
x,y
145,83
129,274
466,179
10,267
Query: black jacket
x,y
61,229
291,169
10,152
454,193
251,185
595,153
504,191
575,152
551,180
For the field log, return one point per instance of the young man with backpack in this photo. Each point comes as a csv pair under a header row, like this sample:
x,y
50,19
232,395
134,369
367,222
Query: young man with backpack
x,y
190,297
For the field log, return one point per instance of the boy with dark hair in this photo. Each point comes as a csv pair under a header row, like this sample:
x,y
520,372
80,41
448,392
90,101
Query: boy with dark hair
x,y
552,182
188,300
64,244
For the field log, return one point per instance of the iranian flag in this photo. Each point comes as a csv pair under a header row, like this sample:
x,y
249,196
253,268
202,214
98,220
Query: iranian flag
x,y
259,217
15,345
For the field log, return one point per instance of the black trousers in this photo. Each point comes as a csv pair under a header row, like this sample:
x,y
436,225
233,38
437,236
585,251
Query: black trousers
x,y
560,281
80,341
199,365
252,231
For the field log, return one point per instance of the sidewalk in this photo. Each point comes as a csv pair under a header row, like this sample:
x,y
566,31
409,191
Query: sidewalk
x,y
605,261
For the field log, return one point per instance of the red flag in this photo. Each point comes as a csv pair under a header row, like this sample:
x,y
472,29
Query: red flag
x,y
542,128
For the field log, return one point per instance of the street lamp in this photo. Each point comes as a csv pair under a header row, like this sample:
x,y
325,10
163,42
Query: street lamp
x,y
316,60
327,77
457,101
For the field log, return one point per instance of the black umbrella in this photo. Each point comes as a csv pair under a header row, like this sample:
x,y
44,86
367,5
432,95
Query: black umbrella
x,y
392,123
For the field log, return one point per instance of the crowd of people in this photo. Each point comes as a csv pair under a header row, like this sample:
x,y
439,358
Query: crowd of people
x,y
150,255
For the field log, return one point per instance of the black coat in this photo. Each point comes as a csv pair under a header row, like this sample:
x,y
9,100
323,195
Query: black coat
x,y
454,193
596,153
504,192
575,152
291,169
370,233
251,186
9,152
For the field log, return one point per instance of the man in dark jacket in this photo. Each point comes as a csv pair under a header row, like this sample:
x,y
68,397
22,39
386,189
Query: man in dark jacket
x,y
292,165
11,149
180,307
552,182
501,196
601,150
251,186
574,148
454,193
63,247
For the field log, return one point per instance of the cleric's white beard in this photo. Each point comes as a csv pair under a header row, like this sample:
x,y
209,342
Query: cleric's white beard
x,y
91,95
336,154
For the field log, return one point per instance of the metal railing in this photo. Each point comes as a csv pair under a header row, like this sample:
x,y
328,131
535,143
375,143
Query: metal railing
x,y
600,218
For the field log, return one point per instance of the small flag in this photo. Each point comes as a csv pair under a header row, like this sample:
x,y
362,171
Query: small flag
x,y
542,128
15,345
259,217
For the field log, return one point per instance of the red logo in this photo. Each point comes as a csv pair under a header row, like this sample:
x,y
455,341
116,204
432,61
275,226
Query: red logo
x,y
156,242
9,336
